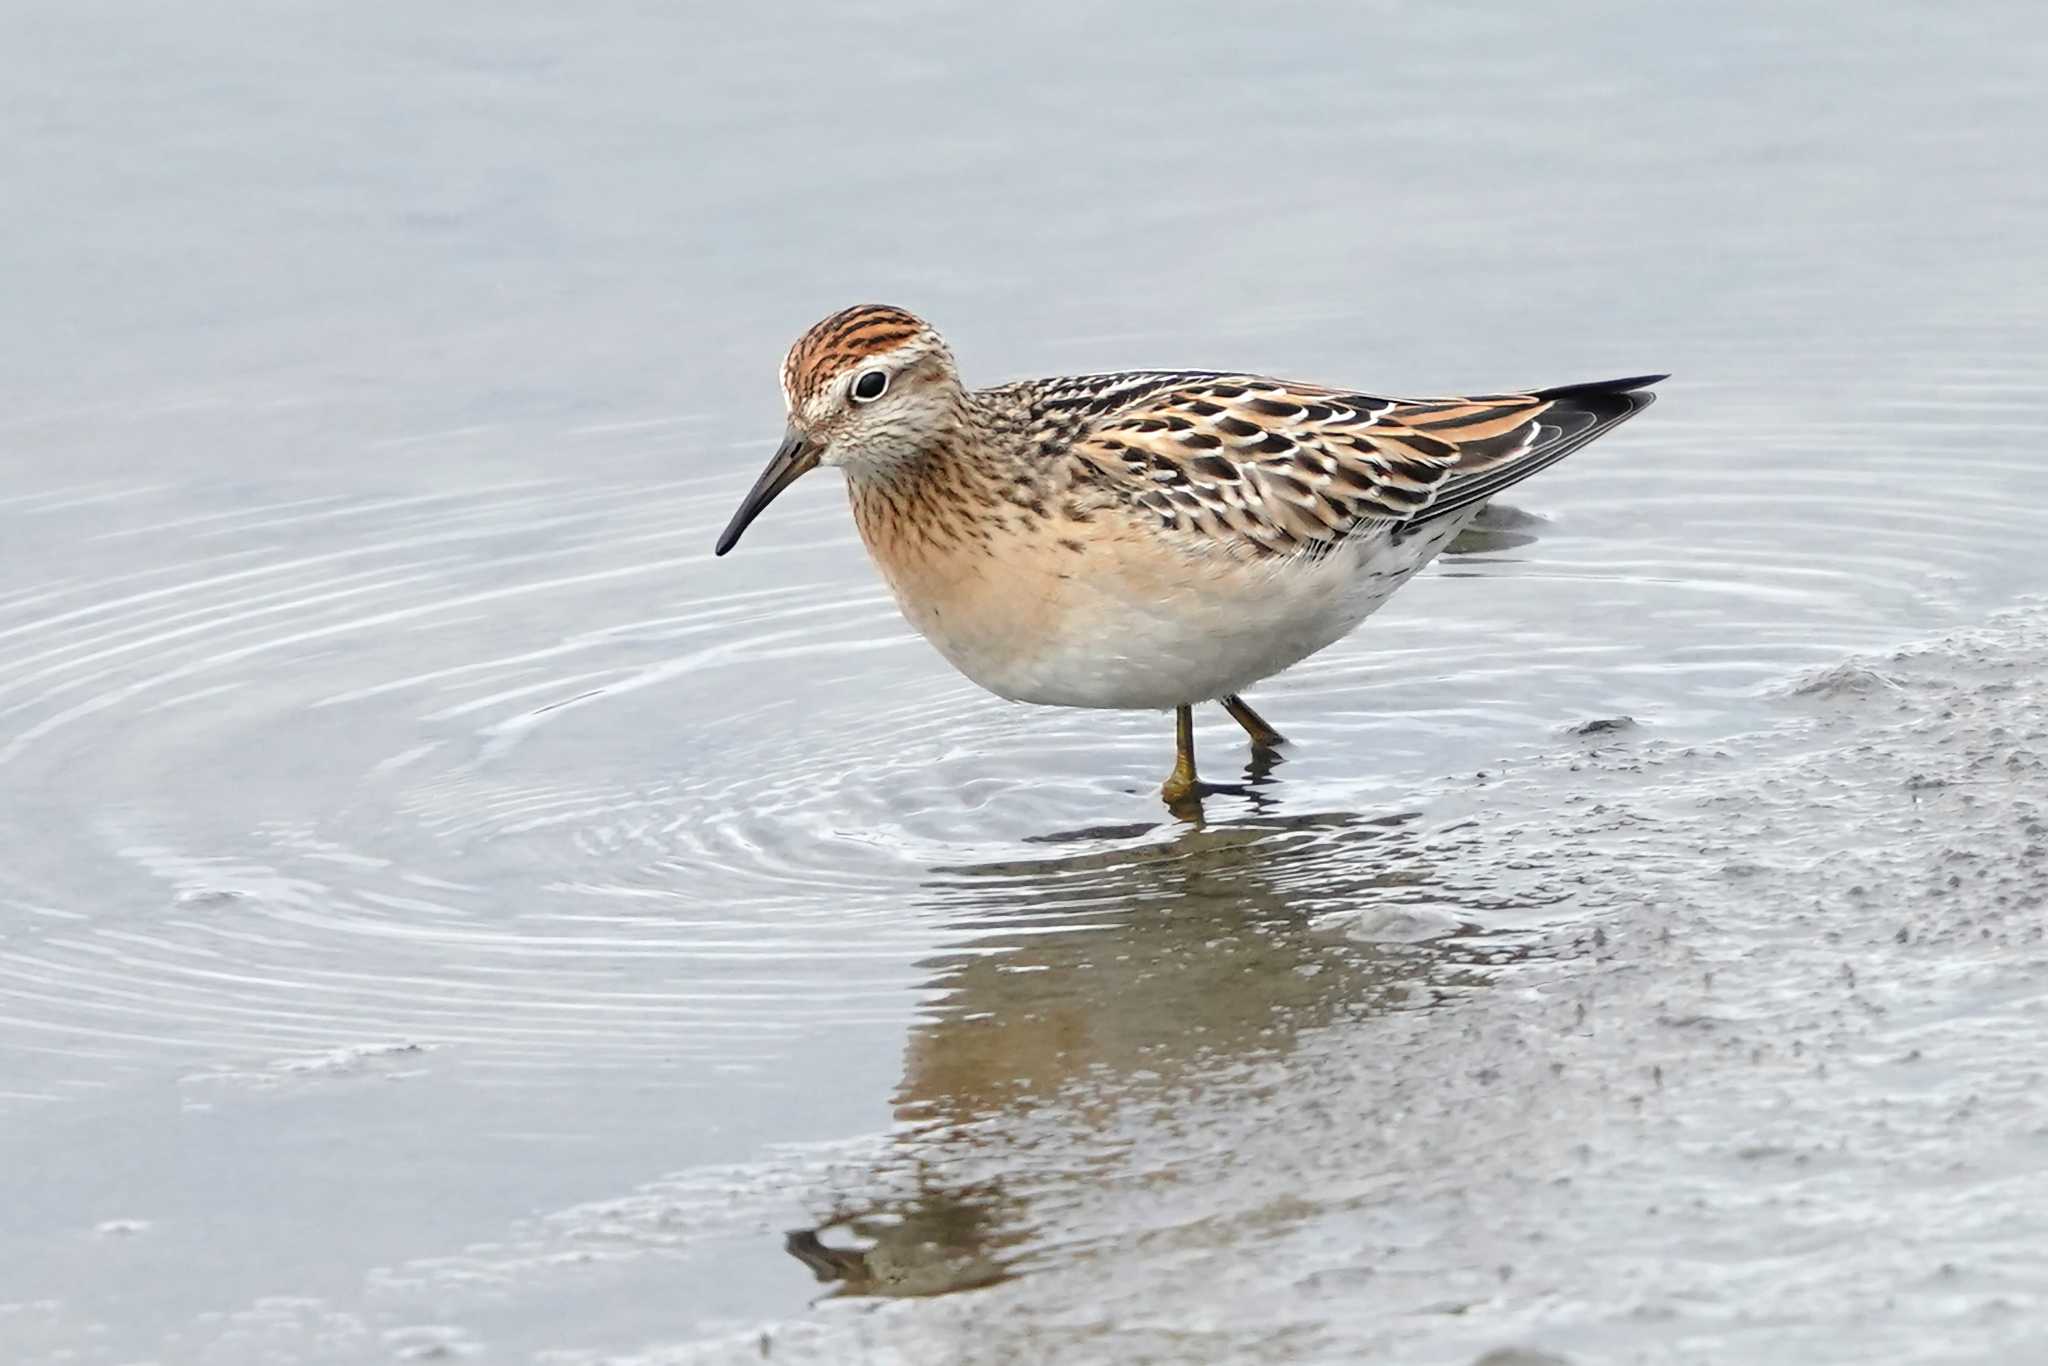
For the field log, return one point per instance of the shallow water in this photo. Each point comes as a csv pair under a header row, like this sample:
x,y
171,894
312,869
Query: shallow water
x,y
443,910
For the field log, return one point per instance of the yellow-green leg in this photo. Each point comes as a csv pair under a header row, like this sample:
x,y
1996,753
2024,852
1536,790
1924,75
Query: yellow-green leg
x,y
1180,784
1263,735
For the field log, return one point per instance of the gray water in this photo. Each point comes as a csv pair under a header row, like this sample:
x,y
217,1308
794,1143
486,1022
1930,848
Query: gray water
x,y
445,913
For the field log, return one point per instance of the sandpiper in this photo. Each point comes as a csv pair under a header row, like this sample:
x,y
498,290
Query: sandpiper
x,y
1148,539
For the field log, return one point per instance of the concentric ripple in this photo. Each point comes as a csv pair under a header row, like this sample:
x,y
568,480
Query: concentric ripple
x,y
306,776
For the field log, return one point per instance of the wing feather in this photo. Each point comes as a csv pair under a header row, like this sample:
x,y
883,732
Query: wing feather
x,y
1265,466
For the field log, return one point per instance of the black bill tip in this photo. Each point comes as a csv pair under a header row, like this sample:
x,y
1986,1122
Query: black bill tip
x,y
793,459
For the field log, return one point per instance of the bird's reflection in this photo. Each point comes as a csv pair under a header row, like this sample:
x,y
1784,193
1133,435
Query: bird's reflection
x,y
1128,970
946,1237
1497,528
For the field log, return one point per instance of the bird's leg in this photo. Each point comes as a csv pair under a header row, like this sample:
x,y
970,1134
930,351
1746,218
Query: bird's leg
x,y
1263,735
1180,784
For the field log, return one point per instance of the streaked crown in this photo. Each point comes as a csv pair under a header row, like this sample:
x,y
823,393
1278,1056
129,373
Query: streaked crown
x,y
848,337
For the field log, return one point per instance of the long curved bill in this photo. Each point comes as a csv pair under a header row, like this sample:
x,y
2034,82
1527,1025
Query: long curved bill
x,y
792,460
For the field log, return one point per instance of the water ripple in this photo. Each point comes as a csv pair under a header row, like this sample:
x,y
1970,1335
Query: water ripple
x,y
519,770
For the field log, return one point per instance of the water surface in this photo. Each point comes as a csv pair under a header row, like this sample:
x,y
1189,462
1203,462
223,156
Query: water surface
x,y
442,909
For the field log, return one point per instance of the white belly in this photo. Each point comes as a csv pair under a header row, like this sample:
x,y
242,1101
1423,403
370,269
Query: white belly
x,y
1215,634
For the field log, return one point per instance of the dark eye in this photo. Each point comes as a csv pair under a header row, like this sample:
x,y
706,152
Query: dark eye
x,y
869,386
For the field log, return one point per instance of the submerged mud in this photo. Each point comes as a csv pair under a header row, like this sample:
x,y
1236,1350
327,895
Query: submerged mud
x,y
447,914
1767,1087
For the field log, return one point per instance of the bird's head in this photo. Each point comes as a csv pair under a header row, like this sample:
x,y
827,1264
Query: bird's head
x,y
867,389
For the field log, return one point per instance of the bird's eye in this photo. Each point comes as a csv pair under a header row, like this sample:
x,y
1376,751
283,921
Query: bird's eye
x,y
869,386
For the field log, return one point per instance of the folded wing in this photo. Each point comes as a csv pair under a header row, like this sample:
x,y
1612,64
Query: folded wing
x,y
1264,467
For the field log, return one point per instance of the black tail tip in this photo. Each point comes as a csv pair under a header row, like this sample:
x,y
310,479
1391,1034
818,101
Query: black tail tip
x,y
1602,387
